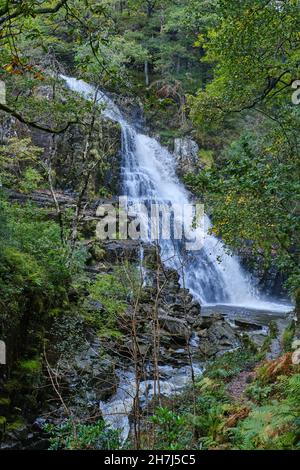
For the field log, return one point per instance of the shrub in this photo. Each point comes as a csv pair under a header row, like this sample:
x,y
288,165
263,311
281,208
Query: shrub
x,y
81,436
169,426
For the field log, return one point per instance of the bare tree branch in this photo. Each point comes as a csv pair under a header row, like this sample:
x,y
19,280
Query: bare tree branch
x,y
20,11
33,124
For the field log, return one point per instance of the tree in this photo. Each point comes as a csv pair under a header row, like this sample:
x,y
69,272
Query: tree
x,y
255,48
253,187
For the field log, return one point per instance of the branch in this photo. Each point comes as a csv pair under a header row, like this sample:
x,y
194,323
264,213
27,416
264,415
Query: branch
x,y
38,11
33,124
272,83
44,11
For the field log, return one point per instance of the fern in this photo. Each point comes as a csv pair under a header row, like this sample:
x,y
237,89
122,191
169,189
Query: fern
x,y
268,427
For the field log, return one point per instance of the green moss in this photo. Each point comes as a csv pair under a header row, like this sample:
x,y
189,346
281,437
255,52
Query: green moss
x,y
109,333
273,333
287,338
249,344
55,312
2,421
12,386
30,365
97,252
107,302
266,346
4,401
273,329
206,157
2,426
169,134
15,425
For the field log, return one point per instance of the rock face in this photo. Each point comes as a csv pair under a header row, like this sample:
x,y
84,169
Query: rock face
x,y
121,249
131,106
219,337
270,279
105,144
89,376
177,327
186,152
167,312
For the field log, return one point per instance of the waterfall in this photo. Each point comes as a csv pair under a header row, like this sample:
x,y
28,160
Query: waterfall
x,y
212,275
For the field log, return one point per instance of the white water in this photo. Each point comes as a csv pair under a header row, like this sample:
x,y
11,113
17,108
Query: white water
x,y
117,410
149,174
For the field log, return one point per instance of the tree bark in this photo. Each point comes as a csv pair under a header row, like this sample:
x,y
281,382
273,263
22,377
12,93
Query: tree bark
x,y
146,70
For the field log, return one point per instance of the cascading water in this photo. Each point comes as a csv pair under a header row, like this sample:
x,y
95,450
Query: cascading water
x,y
211,274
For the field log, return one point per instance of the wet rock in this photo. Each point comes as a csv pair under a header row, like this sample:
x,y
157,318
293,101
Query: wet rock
x,y
177,327
217,338
247,325
222,333
70,149
44,92
257,339
206,348
186,151
131,106
89,376
116,251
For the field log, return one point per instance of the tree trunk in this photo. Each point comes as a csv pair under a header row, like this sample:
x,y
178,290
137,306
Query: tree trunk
x,y
146,70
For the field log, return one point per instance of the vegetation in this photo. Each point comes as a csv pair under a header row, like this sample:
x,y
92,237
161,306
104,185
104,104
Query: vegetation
x,y
253,187
82,437
264,416
219,72
111,295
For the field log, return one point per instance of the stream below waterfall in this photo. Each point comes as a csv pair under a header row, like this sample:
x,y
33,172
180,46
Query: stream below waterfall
x,y
214,277
118,409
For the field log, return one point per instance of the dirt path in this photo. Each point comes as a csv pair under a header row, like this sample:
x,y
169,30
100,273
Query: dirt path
x,y
238,385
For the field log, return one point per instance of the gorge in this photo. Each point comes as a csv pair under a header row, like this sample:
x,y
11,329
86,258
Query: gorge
x,y
213,276
148,174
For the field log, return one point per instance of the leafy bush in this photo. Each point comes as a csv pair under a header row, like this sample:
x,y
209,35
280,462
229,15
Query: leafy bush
x,y
287,338
266,416
36,275
80,436
258,393
169,427
267,427
30,181
111,294
275,425
16,159
230,364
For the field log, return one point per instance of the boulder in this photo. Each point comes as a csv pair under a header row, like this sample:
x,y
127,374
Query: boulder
x,y
217,338
223,335
186,152
117,250
177,327
88,376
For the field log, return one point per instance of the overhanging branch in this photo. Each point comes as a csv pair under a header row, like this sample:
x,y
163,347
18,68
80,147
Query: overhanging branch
x,y
33,124
37,11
